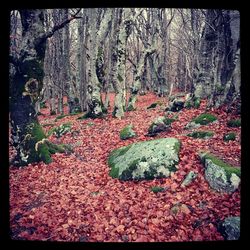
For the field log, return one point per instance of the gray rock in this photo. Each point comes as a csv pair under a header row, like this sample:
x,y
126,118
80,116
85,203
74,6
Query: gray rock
x,y
176,105
189,178
158,125
192,125
230,228
220,176
145,160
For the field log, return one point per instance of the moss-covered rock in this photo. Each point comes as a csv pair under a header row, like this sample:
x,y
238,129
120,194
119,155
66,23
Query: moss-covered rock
x,y
192,102
202,119
201,134
127,132
145,160
176,105
234,123
221,176
157,189
229,137
160,124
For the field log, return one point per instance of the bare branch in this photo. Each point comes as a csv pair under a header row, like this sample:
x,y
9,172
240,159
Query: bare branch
x,y
50,32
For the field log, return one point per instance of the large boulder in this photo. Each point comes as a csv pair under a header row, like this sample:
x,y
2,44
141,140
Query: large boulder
x,y
230,228
221,176
145,160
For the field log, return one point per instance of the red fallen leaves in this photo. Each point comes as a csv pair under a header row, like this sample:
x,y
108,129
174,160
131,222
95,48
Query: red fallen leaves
x,y
82,202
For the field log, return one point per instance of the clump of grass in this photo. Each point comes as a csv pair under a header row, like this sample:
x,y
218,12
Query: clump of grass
x,y
157,189
204,119
229,137
127,132
234,123
152,106
201,134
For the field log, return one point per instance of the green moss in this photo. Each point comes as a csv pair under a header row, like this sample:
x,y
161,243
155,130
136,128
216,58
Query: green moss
x,y
130,108
37,132
44,154
229,137
168,121
84,117
204,119
229,169
153,105
234,123
188,104
219,89
114,173
127,173
177,146
119,77
117,152
127,132
60,117
201,134
157,189
43,105
197,102
34,135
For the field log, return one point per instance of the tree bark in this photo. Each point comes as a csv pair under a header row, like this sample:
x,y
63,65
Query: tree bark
x,y
26,82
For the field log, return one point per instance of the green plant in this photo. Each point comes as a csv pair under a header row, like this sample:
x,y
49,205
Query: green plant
x,y
153,105
43,105
157,189
229,137
234,123
200,134
204,119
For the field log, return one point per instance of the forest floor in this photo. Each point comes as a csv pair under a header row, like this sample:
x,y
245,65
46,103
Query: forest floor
x,y
74,198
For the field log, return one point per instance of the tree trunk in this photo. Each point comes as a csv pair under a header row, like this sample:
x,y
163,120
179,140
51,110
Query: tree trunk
x,y
27,135
26,82
95,106
119,82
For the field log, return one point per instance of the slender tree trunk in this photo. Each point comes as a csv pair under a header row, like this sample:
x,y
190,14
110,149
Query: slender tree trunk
x,y
120,75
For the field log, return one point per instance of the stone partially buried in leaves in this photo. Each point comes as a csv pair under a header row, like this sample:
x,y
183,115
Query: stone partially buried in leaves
x,y
127,132
230,228
202,119
160,124
221,176
145,160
